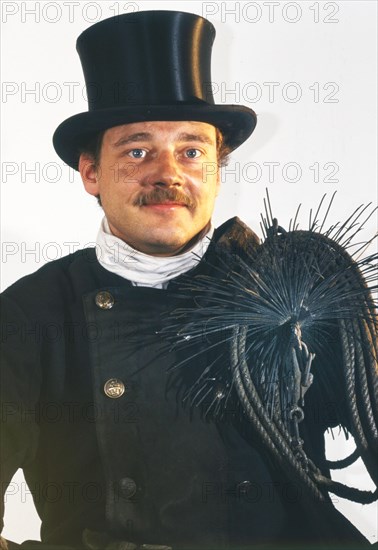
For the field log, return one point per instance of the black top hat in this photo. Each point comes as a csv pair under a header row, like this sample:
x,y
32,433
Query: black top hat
x,y
151,65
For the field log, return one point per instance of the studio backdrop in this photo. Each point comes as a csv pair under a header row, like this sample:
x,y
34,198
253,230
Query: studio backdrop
x,y
307,68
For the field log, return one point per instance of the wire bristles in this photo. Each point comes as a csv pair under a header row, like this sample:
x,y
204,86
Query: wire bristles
x,y
298,290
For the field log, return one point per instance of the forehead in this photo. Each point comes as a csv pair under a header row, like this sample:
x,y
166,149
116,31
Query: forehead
x,y
173,130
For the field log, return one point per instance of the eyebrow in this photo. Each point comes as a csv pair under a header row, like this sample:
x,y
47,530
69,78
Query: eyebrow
x,y
132,138
195,137
145,136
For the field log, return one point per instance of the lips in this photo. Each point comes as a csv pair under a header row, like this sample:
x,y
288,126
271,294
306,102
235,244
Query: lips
x,y
167,205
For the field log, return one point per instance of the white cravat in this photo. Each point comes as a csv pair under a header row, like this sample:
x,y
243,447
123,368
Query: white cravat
x,y
142,269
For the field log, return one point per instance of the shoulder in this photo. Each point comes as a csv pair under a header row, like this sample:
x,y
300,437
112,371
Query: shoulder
x,y
55,282
236,238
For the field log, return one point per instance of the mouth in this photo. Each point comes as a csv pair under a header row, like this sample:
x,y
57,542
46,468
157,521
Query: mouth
x,y
166,205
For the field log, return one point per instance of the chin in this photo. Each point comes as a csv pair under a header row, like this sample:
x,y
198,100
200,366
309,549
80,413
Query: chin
x,y
170,239
166,247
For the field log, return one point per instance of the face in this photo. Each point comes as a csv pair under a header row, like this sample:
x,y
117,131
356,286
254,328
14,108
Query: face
x,y
157,181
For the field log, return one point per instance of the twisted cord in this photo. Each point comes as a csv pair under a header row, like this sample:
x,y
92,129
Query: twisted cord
x,y
371,360
344,462
276,439
371,428
348,352
255,410
344,491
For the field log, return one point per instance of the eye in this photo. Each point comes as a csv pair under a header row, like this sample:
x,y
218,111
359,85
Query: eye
x,y
193,153
137,153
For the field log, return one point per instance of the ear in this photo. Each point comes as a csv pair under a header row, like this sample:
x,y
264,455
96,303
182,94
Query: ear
x,y
89,174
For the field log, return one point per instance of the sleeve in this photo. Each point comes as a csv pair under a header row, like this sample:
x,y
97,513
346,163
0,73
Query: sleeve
x,y
20,379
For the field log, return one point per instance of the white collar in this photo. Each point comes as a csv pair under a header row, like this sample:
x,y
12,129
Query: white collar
x,y
142,269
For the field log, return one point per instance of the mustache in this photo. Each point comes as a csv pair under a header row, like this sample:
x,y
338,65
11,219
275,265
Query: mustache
x,y
161,195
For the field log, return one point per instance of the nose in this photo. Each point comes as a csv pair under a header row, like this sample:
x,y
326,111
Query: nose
x,y
167,171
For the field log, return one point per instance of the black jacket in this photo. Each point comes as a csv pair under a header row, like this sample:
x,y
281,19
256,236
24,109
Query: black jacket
x,y
140,466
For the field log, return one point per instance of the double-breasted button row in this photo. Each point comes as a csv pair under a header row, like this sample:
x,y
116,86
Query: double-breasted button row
x,y
114,388
104,300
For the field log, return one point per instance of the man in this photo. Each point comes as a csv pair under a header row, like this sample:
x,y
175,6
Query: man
x,y
138,469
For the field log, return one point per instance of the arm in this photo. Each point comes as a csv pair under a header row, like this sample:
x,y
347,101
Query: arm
x,y
20,383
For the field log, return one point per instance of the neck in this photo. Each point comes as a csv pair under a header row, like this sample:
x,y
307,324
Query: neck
x,y
158,252
144,269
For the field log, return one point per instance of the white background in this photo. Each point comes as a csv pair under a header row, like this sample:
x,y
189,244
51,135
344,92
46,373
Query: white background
x,y
307,68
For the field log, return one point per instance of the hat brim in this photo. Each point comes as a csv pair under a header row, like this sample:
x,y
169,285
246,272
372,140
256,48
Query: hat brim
x,y
234,121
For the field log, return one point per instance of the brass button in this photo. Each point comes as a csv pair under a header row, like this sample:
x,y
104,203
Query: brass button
x,y
114,388
127,487
244,486
104,300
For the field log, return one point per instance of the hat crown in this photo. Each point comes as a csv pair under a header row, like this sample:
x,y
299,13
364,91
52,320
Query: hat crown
x,y
148,66
147,58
